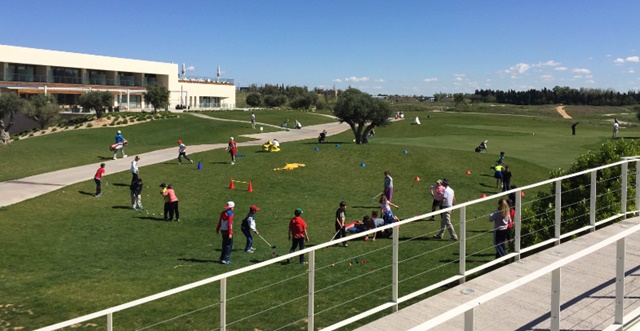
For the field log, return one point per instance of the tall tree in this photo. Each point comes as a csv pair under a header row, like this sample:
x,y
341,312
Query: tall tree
x,y
158,96
10,105
96,100
43,109
254,99
362,112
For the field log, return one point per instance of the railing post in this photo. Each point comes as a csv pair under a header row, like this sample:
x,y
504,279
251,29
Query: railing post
x,y
558,210
623,189
555,300
518,225
469,320
394,269
462,237
223,304
592,200
110,322
620,259
312,290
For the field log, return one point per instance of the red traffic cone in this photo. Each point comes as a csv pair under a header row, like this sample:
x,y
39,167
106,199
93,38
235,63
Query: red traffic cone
x,y
521,193
483,195
468,172
250,189
231,186
417,179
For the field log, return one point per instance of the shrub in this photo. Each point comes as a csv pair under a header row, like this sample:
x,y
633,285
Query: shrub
x,y
30,134
54,130
89,125
43,132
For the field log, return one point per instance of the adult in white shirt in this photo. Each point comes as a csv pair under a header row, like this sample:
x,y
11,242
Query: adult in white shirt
x,y
448,200
276,143
134,169
616,126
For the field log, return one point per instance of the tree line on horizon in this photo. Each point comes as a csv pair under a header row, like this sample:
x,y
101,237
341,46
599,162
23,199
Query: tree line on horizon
x,y
559,95
300,97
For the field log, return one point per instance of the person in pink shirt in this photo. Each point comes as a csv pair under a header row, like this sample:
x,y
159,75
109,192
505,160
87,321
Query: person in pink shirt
x,y
437,192
98,179
170,195
225,225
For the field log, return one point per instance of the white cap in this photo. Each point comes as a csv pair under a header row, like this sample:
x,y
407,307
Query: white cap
x,y
119,131
230,204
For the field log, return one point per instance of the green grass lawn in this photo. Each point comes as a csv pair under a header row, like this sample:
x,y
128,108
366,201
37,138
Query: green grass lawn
x,y
68,254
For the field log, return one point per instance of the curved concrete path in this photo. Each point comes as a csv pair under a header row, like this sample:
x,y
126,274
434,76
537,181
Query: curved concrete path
x,y
18,190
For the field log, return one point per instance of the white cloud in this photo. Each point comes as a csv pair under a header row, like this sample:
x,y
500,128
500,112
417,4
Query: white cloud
x,y
590,81
633,59
618,60
550,63
581,71
337,80
547,78
191,68
560,68
459,77
379,80
631,71
356,79
518,69
577,76
432,79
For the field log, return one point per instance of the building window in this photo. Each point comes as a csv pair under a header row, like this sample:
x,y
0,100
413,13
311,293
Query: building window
x,y
21,73
209,102
66,75
126,79
97,77
135,101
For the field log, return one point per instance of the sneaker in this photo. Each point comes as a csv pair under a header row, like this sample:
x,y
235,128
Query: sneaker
x,y
232,163
453,239
223,261
345,245
437,237
115,158
249,251
134,208
179,162
191,161
252,249
177,220
124,156
98,195
303,263
228,262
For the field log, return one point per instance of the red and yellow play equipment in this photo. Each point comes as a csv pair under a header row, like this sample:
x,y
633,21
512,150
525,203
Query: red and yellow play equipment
x,y
232,186
269,146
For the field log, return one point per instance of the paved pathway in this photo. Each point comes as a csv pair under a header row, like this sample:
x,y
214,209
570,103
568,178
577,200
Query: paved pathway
x,y
18,190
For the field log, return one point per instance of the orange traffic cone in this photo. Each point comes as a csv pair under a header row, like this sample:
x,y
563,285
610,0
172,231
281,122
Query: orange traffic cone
x,y
231,186
250,187
521,193
483,195
468,172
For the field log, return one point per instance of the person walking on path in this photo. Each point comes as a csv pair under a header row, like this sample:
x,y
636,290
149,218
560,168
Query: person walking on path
x,y
171,203
98,179
134,169
120,141
182,152
506,178
248,225
136,194
341,218
232,148
167,204
436,192
253,120
388,185
448,200
573,128
225,228
501,219
297,233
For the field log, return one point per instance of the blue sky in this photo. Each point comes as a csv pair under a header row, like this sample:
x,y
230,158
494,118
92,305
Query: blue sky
x,y
389,47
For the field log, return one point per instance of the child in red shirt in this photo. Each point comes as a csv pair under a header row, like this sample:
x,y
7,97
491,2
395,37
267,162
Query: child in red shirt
x,y
225,225
298,231
98,179
232,148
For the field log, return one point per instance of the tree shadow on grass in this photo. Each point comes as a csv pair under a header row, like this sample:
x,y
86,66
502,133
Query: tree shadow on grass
x,y
198,260
86,193
120,184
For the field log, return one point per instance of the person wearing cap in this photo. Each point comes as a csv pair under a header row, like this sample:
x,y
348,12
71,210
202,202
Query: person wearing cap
x,y
120,141
167,205
297,233
170,204
448,200
135,172
232,148
182,152
225,228
249,224
341,218
436,192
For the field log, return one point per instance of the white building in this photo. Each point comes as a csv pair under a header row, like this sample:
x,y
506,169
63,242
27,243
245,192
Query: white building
x,y
67,75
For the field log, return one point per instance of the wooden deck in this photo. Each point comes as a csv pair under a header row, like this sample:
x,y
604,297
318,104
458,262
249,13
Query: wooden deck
x,y
587,291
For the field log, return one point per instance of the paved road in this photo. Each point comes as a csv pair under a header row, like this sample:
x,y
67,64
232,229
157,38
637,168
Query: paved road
x,y
19,190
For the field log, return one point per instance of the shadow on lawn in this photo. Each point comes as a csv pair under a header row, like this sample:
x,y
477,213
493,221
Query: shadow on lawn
x,y
365,207
328,143
199,260
218,162
150,218
105,158
86,193
120,184
121,207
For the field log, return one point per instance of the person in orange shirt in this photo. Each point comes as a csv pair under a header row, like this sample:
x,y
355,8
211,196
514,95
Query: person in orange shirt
x,y
98,179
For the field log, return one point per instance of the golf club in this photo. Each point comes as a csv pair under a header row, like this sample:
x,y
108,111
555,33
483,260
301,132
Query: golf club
x,y
265,240
379,194
334,235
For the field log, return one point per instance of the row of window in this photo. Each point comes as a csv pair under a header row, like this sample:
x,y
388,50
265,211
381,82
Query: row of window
x,y
39,74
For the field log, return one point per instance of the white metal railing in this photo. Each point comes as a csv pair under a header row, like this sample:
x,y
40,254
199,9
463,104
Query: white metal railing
x,y
395,298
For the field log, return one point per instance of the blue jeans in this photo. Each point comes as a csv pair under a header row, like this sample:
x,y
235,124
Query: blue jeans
x,y
247,233
500,241
227,244
299,242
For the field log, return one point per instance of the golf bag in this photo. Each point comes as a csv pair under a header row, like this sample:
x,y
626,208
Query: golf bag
x,y
298,125
285,123
482,147
117,146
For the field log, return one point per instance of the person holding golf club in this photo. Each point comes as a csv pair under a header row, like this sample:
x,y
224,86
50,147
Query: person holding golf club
x,y
297,233
448,200
436,192
248,225
385,210
98,179
341,217
225,227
